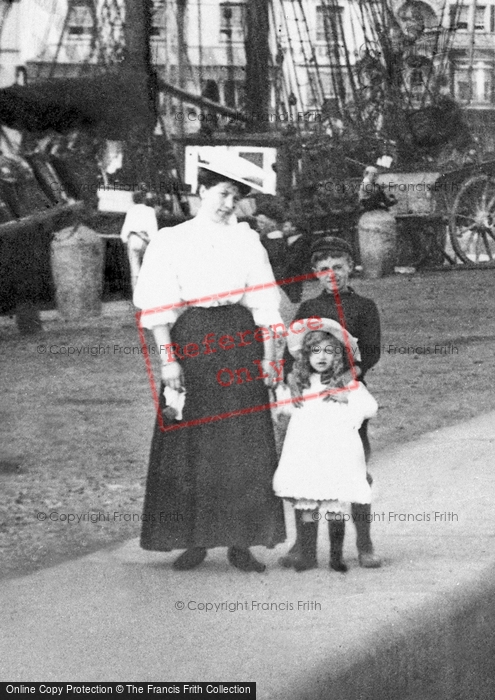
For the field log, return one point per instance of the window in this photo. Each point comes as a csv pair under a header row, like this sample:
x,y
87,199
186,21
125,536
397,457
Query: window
x,y
416,18
232,21
459,17
479,19
157,19
417,79
328,23
488,88
462,92
81,18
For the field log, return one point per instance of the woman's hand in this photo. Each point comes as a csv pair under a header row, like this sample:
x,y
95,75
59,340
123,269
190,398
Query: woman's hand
x,y
172,375
272,379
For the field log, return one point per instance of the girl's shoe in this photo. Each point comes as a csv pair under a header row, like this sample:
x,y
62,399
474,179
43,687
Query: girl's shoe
x,y
305,564
302,555
242,559
336,531
338,565
291,558
308,537
190,559
298,561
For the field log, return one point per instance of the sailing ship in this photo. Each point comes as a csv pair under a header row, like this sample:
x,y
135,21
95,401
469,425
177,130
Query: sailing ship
x,y
313,90
371,75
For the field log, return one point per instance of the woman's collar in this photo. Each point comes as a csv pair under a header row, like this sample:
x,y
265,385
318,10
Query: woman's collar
x,y
202,218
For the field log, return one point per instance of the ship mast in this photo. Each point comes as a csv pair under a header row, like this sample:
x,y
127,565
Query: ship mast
x,y
472,41
257,64
139,66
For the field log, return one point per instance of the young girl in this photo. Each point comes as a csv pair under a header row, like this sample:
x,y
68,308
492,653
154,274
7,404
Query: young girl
x,y
322,466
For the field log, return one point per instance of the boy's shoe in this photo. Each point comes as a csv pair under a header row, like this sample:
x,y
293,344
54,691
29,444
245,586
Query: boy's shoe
x,y
368,560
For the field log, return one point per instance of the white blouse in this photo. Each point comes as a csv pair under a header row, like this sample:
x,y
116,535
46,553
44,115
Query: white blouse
x,y
206,264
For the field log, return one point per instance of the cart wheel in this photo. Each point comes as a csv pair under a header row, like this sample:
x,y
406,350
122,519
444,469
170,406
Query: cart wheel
x,y
472,221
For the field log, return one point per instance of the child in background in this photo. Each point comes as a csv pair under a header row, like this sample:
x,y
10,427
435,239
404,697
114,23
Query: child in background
x,y
140,226
323,466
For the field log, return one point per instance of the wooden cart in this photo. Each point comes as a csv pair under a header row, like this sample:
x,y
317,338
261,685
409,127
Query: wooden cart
x,y
446,217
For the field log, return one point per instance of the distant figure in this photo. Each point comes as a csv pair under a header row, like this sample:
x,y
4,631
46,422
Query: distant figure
x,y
11,191
372,195
139,227
298,256
269,216
377,229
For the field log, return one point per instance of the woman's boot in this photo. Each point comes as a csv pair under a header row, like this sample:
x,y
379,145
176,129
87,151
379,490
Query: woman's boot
x,y
336,530
242,559
190,559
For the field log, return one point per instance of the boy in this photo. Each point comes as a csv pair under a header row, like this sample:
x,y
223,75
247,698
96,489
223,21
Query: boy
x,y
363,322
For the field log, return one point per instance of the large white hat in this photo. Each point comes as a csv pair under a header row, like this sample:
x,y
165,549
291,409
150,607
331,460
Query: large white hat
x,y
235,168
295,340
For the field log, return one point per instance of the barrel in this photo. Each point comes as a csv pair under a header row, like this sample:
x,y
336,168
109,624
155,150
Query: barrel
x,y
77,255
377,233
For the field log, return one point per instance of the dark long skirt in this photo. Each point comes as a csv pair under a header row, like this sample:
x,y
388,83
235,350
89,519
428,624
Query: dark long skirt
x,y
211,485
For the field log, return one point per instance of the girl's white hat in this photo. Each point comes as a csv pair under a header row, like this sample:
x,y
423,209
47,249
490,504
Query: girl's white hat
x,y
328,325
235,168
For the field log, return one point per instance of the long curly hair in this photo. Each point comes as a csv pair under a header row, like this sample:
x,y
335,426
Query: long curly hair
x,y
302,369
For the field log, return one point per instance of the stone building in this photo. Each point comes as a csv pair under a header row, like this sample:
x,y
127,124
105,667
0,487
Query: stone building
x,y
199,46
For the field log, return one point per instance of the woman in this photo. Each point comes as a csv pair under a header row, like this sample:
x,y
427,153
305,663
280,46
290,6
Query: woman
x,y
209,485
372,196
377,231
139,227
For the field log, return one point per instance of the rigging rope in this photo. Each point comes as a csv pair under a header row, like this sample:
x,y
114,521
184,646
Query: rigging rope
x,y
314,57
292,54
314,93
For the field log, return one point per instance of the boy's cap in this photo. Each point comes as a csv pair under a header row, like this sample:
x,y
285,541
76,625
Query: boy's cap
x,y
328,325
332,245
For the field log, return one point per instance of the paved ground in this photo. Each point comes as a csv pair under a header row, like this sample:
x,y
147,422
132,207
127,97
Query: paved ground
x,y
75,430
114,616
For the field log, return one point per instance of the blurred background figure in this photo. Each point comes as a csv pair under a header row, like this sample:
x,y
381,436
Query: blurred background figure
x,y
140,225
270,214
297,256
269,218
372,196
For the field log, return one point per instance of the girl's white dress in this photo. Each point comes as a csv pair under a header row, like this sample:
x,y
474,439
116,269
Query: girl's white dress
x,y
322,458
